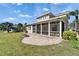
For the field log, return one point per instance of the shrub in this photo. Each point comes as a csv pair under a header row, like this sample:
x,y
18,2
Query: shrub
x,y
69,35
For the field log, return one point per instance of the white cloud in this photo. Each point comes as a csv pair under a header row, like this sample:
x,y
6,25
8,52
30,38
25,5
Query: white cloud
x,y
45,9
56,3
24,15
17,11
8,19
17,4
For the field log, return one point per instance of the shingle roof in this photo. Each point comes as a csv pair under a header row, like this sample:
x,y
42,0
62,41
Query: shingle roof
x,y
45,14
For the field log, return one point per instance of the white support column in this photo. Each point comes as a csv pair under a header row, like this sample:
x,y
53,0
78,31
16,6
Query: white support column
x,y
41,29
60,29
36,28
49,29
31,29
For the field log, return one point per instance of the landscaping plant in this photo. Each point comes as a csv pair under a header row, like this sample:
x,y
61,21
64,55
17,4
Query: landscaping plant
x,y
70,35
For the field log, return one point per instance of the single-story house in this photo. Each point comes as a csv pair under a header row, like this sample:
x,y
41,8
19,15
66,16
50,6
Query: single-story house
x,y
49,24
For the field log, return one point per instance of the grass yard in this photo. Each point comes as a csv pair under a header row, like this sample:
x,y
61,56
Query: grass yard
x,y
10,44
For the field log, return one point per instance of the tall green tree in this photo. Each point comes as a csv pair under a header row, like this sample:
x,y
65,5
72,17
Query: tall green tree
x,y
6,26
75,13
25,27
20,27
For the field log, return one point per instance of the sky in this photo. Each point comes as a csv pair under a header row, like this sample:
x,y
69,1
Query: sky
x,y
28,12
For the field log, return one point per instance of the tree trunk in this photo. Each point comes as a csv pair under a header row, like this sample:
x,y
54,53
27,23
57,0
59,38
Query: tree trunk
x,y
76,21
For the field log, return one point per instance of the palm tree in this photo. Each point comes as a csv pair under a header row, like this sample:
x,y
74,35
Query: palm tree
x,y
75,13
76,21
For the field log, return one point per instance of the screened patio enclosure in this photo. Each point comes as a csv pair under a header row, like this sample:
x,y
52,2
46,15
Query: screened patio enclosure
x,y
52,27
33,28
44,28
38,28
55,28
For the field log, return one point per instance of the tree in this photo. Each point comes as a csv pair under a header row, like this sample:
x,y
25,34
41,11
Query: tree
x,y
75,13
3,27
0,27
20,27
72,25
6,26
24,27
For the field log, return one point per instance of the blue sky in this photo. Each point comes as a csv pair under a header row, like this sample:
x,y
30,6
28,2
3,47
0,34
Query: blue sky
x,y
27,12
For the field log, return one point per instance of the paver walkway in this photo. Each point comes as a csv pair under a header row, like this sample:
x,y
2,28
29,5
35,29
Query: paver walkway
x,y
37,39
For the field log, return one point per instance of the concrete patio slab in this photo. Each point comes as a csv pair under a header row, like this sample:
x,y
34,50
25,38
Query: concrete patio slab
x,y
37,39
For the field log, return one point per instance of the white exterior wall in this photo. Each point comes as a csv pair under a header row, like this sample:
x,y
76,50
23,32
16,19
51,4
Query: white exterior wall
x,y
29,29
47,17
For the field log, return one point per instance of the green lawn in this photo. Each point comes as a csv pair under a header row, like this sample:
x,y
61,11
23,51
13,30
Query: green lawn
x,y
10,44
